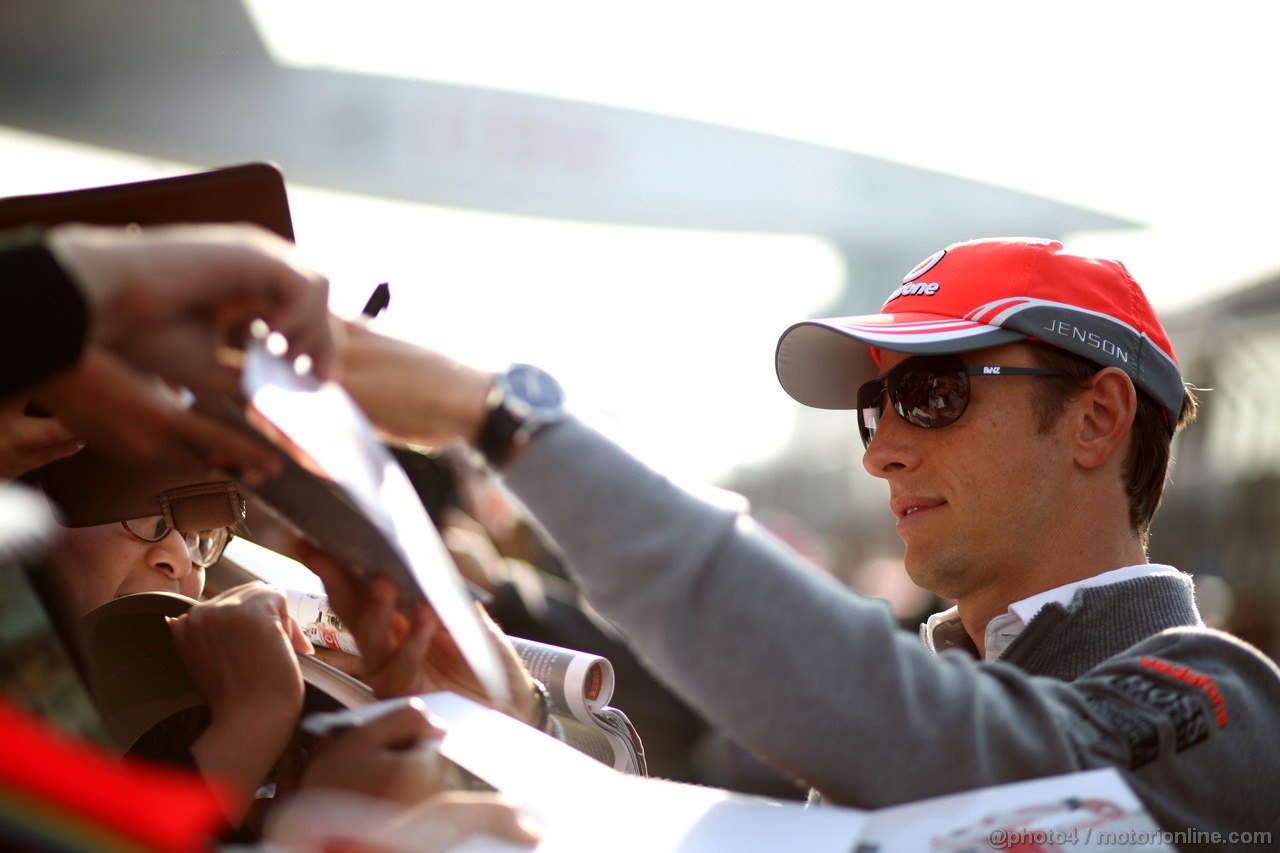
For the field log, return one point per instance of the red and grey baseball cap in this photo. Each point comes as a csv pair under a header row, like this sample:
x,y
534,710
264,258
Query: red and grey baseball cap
x,y
981,294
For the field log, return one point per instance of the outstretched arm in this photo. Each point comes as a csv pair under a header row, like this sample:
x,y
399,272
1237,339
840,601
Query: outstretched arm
x,y
820,681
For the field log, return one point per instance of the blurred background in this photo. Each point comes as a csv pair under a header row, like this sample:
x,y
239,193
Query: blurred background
x,y
642,197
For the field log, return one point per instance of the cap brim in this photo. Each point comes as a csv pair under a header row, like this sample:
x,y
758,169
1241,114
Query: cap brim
x,y
821,363
91,488
140,678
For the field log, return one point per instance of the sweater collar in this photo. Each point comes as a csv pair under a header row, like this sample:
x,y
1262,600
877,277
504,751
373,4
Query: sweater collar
x,y
944,630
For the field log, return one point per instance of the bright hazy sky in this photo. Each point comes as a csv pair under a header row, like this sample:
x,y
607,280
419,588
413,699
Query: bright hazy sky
x,y
1155,111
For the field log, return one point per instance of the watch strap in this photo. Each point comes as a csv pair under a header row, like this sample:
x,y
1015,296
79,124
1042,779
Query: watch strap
x,y
498,432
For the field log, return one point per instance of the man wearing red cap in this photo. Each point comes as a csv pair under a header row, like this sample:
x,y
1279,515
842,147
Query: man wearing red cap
x,y
1021,412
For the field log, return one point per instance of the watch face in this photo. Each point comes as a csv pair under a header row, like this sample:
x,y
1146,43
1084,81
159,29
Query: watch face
x,y
538,390
523,400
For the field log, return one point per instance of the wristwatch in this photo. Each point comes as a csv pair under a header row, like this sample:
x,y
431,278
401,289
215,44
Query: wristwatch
x,y
521,401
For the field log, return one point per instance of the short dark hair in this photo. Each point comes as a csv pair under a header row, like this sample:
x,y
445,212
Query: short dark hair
x,y
1147,465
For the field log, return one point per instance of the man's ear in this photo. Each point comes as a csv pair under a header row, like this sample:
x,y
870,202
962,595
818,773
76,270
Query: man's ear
x,y
1104,413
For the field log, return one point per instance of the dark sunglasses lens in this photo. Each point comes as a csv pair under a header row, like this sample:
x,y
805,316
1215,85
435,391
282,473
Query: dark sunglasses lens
x,y
870,407
932,395
925,391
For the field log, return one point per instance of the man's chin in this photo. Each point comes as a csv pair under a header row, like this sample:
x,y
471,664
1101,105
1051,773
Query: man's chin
x,y
930,571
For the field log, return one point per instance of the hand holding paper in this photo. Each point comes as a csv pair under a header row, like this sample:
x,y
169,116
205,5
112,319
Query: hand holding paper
x,y
453,822
404,657
343,492
393,758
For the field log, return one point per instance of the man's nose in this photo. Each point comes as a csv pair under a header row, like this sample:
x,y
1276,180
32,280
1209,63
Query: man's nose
x,y
893,448
171,555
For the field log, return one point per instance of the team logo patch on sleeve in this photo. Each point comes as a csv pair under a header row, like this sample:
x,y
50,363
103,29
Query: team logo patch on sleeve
x,y
1139,732
1179,703
1195,679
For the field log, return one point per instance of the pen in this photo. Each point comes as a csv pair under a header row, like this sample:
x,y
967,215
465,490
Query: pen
x,y
378,302
329,722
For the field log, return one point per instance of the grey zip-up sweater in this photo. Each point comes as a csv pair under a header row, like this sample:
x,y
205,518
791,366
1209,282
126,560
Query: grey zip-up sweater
x,y
821,683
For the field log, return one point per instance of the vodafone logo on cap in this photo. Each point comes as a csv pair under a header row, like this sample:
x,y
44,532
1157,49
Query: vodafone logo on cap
x,y
911,287
924,266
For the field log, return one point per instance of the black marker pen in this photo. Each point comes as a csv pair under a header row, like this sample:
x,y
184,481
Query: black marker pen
x,y
378,302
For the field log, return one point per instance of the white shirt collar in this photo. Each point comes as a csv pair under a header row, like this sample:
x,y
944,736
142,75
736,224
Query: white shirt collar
x,y
951,614
1004,628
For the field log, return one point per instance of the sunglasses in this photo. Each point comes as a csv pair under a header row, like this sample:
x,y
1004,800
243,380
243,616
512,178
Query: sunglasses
x,y
928,391
205,547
